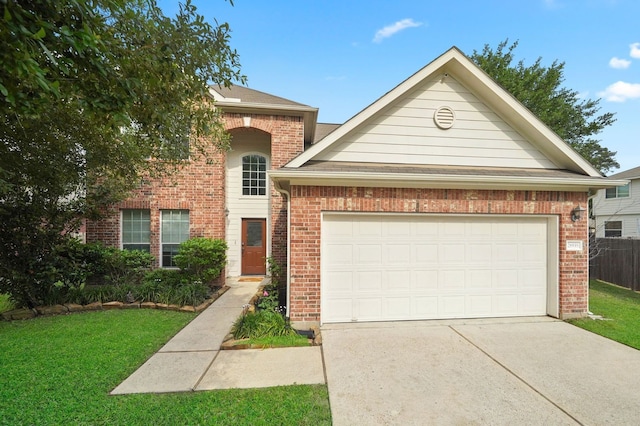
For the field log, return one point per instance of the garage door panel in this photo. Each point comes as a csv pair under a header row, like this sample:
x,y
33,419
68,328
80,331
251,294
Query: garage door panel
x,y
366,254
424,279
480,279
339,282
389,267
479,305
340,310
424,307
426,253
398,253
478,252
451,280
368,281
452,306
368,308
339,254
398,307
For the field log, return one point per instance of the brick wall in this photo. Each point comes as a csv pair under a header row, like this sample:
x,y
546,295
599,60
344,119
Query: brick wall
x,y
309,201
200,188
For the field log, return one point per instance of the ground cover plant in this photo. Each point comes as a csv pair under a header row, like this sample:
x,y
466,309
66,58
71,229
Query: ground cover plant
x,y
620,308
5,303
59,370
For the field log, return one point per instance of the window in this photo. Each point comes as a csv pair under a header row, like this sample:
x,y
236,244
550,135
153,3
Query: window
x,y
254,175
613,228
618,192
174,230
136,225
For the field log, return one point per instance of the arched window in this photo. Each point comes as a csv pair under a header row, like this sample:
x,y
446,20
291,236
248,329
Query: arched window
x,y
254,175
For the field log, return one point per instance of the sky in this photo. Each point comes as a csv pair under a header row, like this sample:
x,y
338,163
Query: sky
x,y
342,55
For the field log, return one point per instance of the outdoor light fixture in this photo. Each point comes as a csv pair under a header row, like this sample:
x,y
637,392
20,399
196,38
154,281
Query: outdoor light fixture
x,y
576,214
226,212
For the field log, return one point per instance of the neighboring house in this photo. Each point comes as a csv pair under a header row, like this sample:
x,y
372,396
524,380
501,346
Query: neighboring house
x,y
445,198
616,210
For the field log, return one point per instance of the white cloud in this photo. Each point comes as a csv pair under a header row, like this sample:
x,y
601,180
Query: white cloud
x,y
392,29
620,64
635,50
620,91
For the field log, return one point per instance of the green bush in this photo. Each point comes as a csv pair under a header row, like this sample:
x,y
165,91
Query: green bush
x,y
171,286
125,267
261,324
202,259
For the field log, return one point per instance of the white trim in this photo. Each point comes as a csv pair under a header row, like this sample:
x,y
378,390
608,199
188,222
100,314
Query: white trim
x,y
450,181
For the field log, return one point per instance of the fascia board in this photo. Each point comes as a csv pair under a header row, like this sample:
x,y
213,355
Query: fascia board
x,y
442,181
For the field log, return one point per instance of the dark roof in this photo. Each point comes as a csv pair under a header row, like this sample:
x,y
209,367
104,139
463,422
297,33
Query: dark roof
x,y
627,174
338,166
244,94
323,129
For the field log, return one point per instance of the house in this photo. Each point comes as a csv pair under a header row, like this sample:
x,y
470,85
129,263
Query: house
x,y
445,198
616,210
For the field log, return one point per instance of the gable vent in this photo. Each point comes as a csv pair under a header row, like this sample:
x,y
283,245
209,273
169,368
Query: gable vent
x,y
444,117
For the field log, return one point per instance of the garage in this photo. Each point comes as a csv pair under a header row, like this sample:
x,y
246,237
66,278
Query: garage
x,y
382,267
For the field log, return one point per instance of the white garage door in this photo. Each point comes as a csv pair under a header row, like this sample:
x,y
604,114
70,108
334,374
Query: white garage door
x,y
392,267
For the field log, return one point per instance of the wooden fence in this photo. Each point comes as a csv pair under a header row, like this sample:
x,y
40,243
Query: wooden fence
x,y
616,260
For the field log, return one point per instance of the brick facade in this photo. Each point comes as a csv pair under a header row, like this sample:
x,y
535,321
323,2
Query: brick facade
x,y
200,188
307,203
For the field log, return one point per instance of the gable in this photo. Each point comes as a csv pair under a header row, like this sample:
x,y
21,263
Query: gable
x,y
405,132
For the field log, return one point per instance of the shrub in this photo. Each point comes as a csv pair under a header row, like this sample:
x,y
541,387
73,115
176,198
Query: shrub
x,y
125,267
202,259
261,324
171,286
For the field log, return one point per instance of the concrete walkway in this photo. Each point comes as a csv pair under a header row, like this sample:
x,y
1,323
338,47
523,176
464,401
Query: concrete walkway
x,y
192,359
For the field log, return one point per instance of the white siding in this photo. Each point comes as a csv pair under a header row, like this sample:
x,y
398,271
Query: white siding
x,y
241,206
405,133
625,209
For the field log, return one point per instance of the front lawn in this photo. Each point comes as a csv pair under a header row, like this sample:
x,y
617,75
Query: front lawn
x,y
621,309
59,370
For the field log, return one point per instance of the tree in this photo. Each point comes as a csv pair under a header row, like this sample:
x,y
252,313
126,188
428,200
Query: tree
x,y
89,91
540,89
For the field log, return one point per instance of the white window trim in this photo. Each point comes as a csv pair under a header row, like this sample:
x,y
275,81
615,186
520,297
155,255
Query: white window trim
x,y
267,165
617,197
161,244
121,231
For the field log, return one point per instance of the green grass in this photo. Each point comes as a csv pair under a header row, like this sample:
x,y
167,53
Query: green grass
x,y
277,341
59,370
5,303
621,309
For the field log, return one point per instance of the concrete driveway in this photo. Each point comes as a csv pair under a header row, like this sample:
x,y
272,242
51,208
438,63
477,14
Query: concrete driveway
x,y
499,371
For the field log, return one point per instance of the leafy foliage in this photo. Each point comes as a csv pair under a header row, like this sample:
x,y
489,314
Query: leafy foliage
x,y
539,88
202,259
89,91
125,267
258,324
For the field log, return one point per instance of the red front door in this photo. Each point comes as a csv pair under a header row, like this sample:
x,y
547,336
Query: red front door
x,y
254,246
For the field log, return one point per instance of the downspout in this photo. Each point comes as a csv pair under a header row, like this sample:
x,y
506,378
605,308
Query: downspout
x,y
287,195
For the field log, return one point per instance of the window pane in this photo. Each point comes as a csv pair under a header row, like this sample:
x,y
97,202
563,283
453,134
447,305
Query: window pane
x,y
623,191
254,234
254,175
174,229
611,193
136,226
